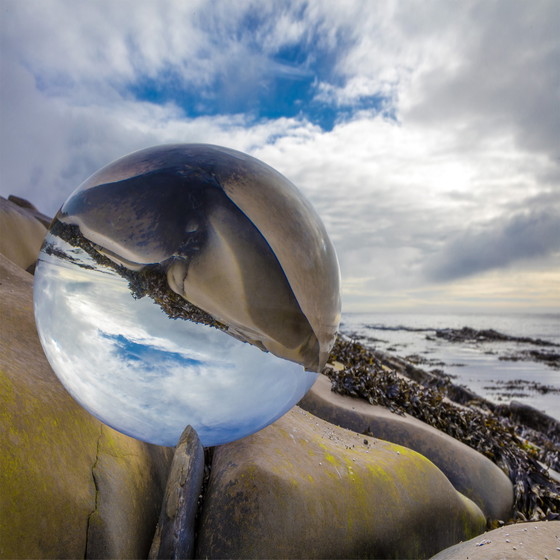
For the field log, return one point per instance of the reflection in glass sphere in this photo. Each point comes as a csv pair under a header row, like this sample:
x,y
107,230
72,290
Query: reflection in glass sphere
x,y
187,284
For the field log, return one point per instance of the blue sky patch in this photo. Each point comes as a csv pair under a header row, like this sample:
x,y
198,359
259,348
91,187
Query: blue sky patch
x,y
260,85
287,92
150,356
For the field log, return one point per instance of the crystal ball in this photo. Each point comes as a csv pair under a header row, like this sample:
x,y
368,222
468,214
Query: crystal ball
x,y
187,284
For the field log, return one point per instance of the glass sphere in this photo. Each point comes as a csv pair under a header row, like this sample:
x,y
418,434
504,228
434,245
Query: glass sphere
x,y
187,284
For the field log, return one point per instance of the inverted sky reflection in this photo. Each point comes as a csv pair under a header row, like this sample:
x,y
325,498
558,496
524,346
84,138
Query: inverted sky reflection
x,y
125,360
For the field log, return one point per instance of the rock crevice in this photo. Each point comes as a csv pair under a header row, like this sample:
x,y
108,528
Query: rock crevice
x,y
95,481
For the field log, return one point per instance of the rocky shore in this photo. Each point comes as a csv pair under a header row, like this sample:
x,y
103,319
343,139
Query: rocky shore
x,y
550,356
381,459
527,453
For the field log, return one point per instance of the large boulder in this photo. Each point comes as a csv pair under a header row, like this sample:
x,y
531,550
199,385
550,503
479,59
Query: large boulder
x,y
21,232
303,488
470,472
512,542
70,486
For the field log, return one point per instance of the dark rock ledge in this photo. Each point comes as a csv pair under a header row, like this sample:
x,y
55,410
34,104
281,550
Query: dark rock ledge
x,y
467,334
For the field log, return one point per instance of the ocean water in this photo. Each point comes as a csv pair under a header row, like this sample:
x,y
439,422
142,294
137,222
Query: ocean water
x,y
476,365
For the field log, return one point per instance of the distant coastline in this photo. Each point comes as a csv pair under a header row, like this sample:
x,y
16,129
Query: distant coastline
x,y
501,357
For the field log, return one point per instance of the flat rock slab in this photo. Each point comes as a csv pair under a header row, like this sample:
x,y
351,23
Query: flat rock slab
x,y
70,486
523,541
303,488
470,472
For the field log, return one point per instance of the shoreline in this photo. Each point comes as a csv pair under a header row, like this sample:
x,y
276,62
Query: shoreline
x,y
523,364
522,441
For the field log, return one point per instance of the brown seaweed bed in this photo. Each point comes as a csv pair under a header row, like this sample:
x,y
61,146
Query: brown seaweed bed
x,y
523,450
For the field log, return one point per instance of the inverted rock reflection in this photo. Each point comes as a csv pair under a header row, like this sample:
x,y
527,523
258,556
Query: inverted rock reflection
x,y
215,238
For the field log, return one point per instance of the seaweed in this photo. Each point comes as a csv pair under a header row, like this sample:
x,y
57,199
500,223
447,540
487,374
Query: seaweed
x,y
487,335
363,374
151,280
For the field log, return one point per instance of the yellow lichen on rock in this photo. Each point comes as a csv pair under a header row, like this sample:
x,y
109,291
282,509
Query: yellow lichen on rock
x,y
70,486
348,498
469,471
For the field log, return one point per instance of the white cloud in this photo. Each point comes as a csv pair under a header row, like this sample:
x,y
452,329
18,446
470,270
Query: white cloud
x,y
474,87
401,201
502,75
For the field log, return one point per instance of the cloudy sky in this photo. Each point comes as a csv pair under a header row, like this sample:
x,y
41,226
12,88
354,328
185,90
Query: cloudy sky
x,y
427,135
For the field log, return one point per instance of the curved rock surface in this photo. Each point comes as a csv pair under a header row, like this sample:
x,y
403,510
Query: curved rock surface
x,y
470,472
303,488
512,542
21,232
71,487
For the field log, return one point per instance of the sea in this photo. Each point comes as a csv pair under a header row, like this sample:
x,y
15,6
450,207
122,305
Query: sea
x,y
488,368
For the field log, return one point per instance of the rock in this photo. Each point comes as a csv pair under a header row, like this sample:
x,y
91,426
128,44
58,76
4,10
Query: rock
x,y
468,334
303,488
514,542
175,532
31,209
470,472
71,487
21,234
522,413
